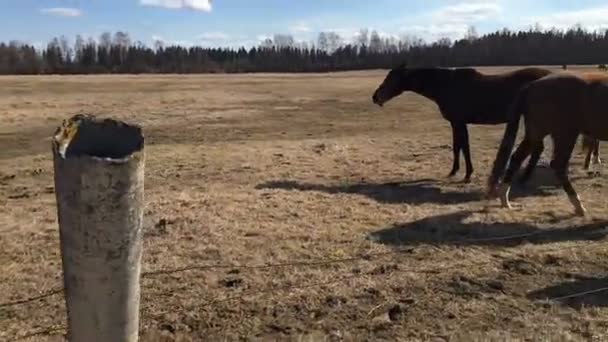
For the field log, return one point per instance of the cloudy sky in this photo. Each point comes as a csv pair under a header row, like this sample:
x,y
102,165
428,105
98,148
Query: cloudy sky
x,y
245,22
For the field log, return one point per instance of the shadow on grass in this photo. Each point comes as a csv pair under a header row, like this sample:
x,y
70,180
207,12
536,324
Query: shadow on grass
x,y
450,229
576,293
409,192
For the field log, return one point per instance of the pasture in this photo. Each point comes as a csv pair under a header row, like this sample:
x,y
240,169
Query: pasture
x,y
350,203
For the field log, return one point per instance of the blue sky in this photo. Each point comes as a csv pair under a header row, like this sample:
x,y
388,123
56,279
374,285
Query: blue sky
x,y
245,22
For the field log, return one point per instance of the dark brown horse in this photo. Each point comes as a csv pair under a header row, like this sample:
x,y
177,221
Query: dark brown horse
x,y
464,96
563,106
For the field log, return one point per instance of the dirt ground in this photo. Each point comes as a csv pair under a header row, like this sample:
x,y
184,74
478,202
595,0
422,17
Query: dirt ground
x,y
350,203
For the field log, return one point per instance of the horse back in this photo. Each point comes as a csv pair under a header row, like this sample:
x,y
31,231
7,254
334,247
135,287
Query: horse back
x,y
566,101
485,99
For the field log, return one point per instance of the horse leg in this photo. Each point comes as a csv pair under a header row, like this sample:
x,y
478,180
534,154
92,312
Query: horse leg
x,y
466,150
456,145
596,153
563,145
593,150
587,165
534,158
589,143
523,151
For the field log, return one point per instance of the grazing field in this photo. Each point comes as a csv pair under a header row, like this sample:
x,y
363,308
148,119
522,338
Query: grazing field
x,y
349,202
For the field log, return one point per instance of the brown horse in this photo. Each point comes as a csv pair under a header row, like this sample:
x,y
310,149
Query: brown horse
x,y
464,96
563,106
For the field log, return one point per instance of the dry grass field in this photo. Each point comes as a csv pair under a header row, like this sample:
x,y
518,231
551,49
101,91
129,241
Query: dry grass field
x,y
350,202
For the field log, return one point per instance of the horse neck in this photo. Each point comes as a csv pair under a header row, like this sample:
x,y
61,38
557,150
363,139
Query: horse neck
x,y
432,85
429,93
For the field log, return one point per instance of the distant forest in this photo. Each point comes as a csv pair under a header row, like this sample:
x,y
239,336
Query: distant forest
x,y
117,53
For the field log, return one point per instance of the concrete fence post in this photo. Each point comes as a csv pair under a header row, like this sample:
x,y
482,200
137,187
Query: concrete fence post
x,y
99,187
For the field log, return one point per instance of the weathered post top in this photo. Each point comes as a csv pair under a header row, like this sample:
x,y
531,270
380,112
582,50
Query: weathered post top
x,y
86,135
99,187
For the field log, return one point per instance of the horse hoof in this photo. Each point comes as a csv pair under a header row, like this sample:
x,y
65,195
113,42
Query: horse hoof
x,y
506,204
581,212
594,174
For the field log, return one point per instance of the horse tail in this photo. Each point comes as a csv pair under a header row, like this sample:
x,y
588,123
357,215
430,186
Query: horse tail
x,y
516,109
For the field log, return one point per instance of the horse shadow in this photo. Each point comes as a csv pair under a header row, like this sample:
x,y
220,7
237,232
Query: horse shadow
x,y
544,175
414,192
451,229
578,292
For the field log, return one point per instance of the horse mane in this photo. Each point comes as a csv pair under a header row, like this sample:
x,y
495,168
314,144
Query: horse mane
x,y
458,73
465,73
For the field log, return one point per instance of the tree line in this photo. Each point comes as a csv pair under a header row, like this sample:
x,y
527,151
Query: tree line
x,y
117,53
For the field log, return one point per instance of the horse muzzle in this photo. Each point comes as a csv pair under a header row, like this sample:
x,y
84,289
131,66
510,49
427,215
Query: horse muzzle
x,y
376,100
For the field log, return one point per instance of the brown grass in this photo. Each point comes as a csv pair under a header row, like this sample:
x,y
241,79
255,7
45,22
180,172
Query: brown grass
x,y
257,169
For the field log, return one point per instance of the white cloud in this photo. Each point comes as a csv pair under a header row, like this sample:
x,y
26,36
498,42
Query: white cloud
x,y
452,21
300,27
263,37
38,45
589,18
246,43
434,32
166,41
221,39
210,39
260,39
217,36
62,11
183,43
346,33
466,12
199,5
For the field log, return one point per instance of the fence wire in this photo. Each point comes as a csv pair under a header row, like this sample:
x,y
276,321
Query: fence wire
x,y
331,261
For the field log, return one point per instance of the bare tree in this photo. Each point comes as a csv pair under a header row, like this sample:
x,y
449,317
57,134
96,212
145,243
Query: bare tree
x,y
303,45
323,41
79,46
471,34
105,40
267,43
159,44
122,39
53,57
15,44
375,42
283,40
444,41
334,41
66,50
116,53
362,38
406,41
